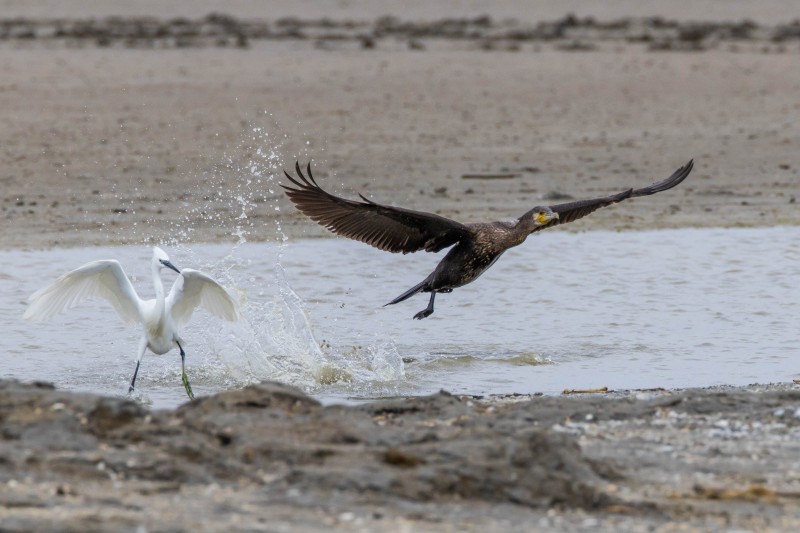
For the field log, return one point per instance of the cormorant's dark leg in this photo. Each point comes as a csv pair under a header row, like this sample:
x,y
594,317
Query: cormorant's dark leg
x,y
184,377
428,311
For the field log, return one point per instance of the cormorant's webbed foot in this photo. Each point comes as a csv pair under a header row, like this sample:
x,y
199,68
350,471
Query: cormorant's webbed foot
x,y
428,311
423,314
184,377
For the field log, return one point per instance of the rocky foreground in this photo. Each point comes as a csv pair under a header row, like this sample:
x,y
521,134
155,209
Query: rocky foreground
x,y
268,457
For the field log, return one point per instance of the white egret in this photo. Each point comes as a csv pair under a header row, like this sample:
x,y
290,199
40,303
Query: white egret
x,y
162,317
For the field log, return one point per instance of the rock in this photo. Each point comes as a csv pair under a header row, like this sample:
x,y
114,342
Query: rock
x,y
270,452
443,449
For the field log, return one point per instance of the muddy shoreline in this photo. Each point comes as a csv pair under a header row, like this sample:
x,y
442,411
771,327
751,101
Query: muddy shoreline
x,y
270,457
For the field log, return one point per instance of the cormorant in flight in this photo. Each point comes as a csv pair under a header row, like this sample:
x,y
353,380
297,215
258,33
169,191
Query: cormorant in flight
x,y
475,247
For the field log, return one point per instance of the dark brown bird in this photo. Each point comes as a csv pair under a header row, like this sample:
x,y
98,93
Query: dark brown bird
x,y
475,247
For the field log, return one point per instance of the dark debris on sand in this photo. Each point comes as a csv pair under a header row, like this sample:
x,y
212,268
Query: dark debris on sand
x,y
567,33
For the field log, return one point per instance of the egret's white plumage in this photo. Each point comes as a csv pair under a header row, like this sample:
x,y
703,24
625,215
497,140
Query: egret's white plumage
x,y
98,279
195,289
161,317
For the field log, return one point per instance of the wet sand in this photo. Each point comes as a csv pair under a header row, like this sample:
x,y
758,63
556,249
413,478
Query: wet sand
x,y
106,142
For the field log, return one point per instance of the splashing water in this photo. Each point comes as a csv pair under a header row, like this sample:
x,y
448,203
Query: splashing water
x,y
275,339
240,188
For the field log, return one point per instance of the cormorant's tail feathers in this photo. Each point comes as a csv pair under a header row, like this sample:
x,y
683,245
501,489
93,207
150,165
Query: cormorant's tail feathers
x,y
409,293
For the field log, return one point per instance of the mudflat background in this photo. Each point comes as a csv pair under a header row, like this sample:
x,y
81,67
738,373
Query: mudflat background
x,y
107,133
160,122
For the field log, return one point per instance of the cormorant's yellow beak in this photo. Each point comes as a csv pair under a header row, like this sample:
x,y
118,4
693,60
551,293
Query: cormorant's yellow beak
x,y
544,218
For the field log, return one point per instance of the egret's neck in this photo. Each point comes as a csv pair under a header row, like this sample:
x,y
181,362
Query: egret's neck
x,y
158,285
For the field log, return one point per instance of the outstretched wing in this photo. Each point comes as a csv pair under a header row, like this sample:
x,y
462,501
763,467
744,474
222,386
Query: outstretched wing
x,y
193,289
104,279
385,227
571,211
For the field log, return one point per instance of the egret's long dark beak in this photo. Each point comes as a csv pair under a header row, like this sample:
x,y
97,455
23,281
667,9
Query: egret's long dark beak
x,y
169,265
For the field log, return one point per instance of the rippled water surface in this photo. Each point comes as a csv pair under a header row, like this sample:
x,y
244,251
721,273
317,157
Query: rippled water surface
x,y
669,308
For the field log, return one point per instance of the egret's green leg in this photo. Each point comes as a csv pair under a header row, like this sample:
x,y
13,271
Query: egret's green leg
x,y
184,377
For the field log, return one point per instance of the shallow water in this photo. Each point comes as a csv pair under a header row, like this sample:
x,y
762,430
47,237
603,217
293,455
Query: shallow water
x,y
668,308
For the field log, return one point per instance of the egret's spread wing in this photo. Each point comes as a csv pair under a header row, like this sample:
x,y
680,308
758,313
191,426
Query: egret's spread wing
x,y
98,279
385,227
572,211
195,289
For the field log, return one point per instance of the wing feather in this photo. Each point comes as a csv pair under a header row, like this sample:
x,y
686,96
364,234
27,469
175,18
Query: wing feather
x,y
99,279
571,211
193,289
388,228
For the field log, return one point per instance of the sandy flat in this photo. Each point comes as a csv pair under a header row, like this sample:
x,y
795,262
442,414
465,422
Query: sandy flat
x,y
99,143
123,144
